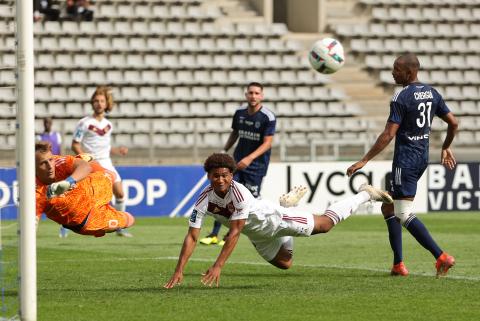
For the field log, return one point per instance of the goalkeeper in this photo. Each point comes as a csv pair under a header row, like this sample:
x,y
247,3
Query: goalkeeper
x,y
76,194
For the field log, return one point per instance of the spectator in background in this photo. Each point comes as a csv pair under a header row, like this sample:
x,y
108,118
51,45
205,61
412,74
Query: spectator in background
x,y
53,137
253,126
43,10
78,10
93,136
55,140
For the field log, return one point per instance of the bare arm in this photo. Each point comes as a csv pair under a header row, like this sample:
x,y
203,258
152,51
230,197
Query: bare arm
x,y
231,140
382,141
81,169
212,276
122,150
77,148
262,149
189,244
447,157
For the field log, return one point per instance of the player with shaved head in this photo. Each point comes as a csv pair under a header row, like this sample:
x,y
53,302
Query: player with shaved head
x,y
411,113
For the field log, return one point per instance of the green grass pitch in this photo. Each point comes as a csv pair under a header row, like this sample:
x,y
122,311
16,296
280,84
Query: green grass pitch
x,y
342,275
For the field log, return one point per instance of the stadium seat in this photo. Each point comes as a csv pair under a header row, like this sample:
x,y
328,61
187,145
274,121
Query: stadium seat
x,y
11,142
180,109
119,43
142,140
132,76
7,127
212,140
88,27
98,60
41,93
64,60
126,109
9,109
199,93
71,109
147,93
41,110
167,77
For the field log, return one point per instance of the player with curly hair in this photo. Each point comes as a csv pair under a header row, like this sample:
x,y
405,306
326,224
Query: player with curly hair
x,y
270,227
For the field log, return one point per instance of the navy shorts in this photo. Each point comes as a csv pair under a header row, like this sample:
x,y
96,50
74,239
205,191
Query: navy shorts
x,y
404,181
252,182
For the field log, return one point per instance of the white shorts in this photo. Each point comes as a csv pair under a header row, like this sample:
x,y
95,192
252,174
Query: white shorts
x,y
288,223
107,164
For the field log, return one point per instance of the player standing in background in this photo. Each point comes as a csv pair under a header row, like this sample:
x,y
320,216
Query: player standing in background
x,y
53,137
254,126
93,136
270,227
55,140
411,114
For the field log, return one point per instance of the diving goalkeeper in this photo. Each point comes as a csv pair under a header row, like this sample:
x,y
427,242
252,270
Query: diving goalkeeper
x,y
76,194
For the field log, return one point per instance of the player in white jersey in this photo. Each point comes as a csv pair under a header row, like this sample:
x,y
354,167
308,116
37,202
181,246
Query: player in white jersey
x,y
93,135
270,227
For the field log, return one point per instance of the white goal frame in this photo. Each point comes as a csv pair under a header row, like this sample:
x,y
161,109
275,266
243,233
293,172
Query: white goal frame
x,y
25,156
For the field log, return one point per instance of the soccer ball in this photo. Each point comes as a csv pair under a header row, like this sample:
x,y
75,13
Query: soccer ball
x,y
326,56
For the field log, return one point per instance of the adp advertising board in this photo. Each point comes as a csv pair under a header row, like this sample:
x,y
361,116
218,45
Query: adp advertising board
x,y
149,191
328,183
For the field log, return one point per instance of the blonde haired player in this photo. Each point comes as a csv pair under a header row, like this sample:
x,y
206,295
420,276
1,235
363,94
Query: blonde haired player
x,y
93,136
76,194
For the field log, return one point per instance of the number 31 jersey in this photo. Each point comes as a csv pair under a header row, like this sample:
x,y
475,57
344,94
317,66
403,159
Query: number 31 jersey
x,y
413,109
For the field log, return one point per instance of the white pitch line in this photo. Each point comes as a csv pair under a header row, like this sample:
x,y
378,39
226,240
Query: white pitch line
x,y
322,266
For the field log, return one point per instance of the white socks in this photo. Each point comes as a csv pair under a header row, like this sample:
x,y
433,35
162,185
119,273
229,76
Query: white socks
x,y
341,210
120,205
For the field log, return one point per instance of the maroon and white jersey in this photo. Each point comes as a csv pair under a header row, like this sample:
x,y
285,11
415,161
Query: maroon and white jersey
x,y
264,219
95,136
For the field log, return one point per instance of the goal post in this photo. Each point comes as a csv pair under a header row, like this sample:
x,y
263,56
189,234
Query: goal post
x,y
25,155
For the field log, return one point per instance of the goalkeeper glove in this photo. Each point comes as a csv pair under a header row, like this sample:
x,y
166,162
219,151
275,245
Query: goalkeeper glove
x,y
58,188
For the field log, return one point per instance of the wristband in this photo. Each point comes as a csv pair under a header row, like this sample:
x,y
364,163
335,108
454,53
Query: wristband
x,y
71,180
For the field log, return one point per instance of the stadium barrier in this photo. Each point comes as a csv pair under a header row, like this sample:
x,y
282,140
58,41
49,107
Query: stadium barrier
x,y
172,190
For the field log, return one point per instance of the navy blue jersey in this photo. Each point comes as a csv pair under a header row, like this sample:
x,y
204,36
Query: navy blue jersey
x,y
413,109
251,131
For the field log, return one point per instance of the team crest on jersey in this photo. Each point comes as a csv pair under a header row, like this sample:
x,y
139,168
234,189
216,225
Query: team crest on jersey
x,y
99,131
230,207
257,124
193,216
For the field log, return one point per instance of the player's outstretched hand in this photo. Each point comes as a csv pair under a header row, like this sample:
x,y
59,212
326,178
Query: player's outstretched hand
x,y
58,188
212,276
123,150
448,160
176,279
355,167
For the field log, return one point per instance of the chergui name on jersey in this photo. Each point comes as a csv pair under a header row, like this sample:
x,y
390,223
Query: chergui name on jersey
x,y
420,95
